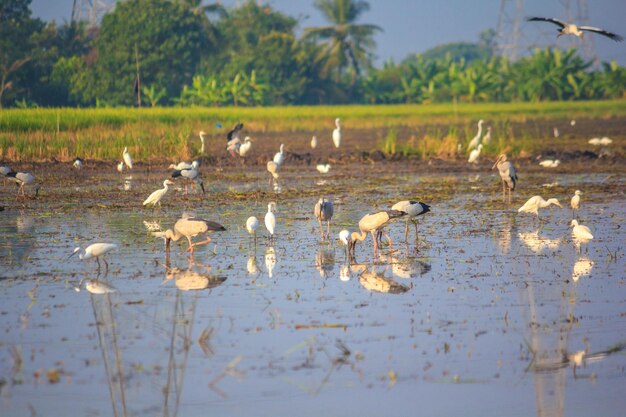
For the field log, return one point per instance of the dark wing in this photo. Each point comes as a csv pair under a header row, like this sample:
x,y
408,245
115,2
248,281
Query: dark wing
x,y
394,214
233,133
546,19
176,173
211,226
613,36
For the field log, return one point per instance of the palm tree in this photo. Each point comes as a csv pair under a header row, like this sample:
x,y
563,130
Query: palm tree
x,y
347,44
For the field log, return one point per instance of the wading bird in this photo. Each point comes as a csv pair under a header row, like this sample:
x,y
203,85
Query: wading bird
x,y
575,202
202,135
476,140
273,168
580,231
507,175
270,219
155,197
22,179
78,163
182,165
191,227
413,209
549,163
120,167
191,174
245,147
96,250
487,137
279,157
323,213
337,133
344,239
4,170
473,157
314,142
372,223
323,168
535,203
127,159
572,29
251,225
232,138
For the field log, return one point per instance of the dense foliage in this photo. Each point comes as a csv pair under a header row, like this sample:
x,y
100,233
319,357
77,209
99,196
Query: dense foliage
x,y
184,53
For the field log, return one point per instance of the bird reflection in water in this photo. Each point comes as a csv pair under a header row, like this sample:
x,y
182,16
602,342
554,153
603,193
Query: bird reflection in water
x,y
375,281
325,260
128,183
252,266
537,243
196,277
270,260
405,268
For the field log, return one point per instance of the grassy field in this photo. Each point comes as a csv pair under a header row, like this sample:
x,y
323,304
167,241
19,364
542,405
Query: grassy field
x,y
61,134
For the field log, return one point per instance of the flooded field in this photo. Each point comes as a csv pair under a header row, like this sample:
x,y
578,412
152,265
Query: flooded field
x,y
490,313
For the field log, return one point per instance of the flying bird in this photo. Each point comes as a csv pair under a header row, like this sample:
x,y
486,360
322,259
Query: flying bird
x,y
572,29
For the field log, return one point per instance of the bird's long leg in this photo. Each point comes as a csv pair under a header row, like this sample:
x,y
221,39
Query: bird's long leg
x,y
389,239
98,260
509,195
406,232
328,229
416,236
190,248
106,265
374,233
204,242
319,221
503,193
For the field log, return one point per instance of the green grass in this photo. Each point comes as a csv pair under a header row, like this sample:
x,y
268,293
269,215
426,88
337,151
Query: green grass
x,y
38,134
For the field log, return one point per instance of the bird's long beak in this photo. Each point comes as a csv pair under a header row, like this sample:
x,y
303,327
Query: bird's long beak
x,y
496,163
167,244
72,254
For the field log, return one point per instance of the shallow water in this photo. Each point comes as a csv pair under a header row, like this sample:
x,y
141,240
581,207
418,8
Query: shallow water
x,y
490,311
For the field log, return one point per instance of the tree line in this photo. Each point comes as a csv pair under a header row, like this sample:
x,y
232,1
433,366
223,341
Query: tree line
x,y
184,53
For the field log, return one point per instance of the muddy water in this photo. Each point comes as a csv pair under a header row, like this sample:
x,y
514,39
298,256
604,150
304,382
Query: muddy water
x,y
490,311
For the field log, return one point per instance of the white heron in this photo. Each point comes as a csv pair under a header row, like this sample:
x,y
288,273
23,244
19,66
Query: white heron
x,y
580,232
606,141
373,223
337,133
279,157
344,239
127,159
324,213
476,140
487,137
572,29
202,135
251,225
273,168
508,175
473,157
22,179
245,147
575,201
78,163
191,227
95,250
555,132
535,203
413,209
594,141
550,163
323,168
120,167
314,142
270,219
155,197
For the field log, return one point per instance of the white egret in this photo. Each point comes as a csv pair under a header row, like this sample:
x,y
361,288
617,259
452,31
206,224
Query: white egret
x,y
245,147
95,250
323,168
337,133
535,203
127,159
473,157
413,209
120,167
344,239
251,225
270,219
572,29
279,157
314,142
580,232
324,213
508,175
549,163
202,135
605,141
191,227
595,141
575,202
155,197
555,132
476,140
273,168
78,163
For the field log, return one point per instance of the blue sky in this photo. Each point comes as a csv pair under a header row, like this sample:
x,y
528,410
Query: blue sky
x,y
412,26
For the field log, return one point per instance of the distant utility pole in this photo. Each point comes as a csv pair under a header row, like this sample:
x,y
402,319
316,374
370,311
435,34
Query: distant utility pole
x,y
513,43
90,11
